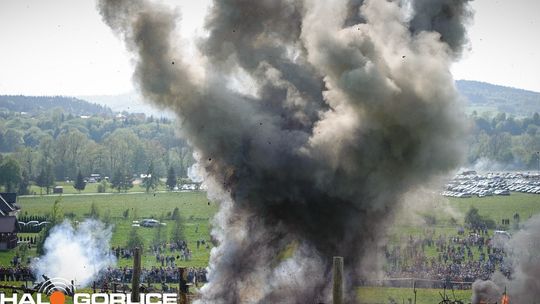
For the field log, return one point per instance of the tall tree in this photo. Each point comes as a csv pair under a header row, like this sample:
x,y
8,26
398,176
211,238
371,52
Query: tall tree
x,y
151,180
69,150
10,174
160,232
12,139
134,239
24,185
94,211
121,145
171,179
177,233
121,181
45,179
56,217
79,184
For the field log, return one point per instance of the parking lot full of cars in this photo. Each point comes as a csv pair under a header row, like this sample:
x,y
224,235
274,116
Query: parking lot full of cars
x,y
473,184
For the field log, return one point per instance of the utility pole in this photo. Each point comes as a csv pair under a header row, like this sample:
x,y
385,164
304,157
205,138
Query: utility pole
x,y
538,158
337,291
414,290
136,279
183,289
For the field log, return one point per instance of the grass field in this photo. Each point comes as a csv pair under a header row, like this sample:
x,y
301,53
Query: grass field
x,y
193,206
499,207
493,207
196,210
366,295
383,295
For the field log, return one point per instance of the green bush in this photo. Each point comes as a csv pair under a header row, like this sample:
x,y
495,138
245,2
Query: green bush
x,y
102,187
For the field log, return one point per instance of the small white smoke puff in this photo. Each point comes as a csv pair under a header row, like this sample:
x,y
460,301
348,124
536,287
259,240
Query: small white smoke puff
x,y
76,253
195,173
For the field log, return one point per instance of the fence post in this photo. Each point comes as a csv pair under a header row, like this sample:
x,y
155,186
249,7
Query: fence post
x,y
414,290
337,291
135,281
183,288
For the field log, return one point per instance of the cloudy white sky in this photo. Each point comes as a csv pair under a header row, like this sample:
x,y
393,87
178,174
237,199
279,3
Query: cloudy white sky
x,y
61,47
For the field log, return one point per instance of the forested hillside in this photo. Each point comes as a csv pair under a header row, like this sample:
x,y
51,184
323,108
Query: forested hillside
x,y
47,139
484,97
479,96
55,145
37,104
506,141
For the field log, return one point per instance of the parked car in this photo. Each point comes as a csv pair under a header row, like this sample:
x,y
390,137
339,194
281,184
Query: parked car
x,y
149,223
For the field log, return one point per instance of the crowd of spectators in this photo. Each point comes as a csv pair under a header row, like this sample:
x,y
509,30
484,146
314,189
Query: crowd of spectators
x,y
452,259
16,273
168,257
116,275
461,258
178,251
152,275
166,254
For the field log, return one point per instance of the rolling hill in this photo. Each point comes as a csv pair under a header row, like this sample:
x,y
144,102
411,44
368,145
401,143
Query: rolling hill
x,y
36,104
485,97
479,96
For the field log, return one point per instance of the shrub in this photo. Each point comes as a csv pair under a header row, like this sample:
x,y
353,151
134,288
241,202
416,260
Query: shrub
x,y
102,187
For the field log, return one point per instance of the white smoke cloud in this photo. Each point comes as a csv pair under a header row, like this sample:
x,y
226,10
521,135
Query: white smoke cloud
x,y
485,164
195,173
76,253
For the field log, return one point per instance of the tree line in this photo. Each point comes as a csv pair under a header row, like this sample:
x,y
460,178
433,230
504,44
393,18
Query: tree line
x,y
511,142
57,146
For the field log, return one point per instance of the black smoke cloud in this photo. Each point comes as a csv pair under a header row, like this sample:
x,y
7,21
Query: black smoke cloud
x,y
485,292
351,109
523,259
446,17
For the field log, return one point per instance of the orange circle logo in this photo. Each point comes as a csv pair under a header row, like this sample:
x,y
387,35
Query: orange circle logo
x,y
57,297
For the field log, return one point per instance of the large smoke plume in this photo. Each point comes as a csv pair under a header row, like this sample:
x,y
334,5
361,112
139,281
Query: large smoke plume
x,y
75,253
344,106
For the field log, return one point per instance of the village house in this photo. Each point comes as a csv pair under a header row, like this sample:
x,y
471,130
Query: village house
x,y
8,221
8,232
8,204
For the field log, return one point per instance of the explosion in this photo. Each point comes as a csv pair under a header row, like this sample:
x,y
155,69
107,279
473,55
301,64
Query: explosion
x,y
343,107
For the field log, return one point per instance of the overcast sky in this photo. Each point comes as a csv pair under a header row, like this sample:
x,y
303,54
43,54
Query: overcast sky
x,y
61,47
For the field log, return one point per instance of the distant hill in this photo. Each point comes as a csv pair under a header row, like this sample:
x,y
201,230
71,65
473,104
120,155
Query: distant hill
x,y
485,97
479,96
36,104
129,102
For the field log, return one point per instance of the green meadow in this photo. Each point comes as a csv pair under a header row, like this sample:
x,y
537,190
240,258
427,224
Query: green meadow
x,y
383,295
197,212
